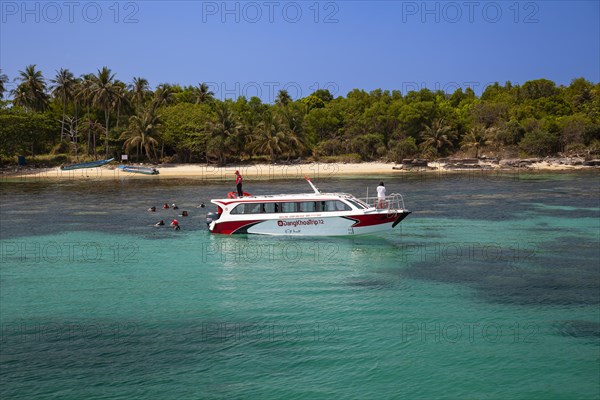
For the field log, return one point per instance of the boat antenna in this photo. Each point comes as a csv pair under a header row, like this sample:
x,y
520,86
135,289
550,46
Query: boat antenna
x,y
312,185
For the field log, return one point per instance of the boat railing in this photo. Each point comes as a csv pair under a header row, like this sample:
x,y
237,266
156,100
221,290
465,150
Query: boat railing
x,y
394,201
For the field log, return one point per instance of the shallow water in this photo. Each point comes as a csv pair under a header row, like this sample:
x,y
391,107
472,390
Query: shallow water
x,y
490,289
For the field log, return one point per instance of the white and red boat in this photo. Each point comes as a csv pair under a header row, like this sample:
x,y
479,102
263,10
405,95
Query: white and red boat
x,y
307,214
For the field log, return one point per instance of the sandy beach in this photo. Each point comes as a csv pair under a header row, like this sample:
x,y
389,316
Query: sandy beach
x,y
278,171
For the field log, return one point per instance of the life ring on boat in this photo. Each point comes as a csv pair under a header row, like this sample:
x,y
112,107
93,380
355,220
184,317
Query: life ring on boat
x,y
233,195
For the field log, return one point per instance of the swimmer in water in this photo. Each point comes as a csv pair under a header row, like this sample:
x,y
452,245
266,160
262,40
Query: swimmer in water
x,y
175,207
152,209
160,223
184,213
175,225
165,206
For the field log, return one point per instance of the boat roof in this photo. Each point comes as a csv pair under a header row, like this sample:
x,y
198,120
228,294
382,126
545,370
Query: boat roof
x,y
287,197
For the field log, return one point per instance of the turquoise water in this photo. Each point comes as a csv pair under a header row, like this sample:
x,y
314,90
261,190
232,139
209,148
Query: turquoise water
x,y
490,289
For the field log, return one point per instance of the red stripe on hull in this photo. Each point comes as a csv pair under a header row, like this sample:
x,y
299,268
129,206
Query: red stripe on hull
x,y
372,219
228,228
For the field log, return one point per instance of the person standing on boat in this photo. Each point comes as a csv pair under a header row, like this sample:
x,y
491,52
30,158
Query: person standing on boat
x,y
238,183
381,195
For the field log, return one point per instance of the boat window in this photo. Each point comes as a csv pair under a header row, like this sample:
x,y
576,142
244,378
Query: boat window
x,y
288,207
356,204
239,209
252,208
247,208
307,206
336,205
270,208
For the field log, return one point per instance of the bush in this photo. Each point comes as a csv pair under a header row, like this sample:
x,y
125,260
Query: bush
x,y
60,148
576,149
59,159
539,143
405,148
330,147
594,148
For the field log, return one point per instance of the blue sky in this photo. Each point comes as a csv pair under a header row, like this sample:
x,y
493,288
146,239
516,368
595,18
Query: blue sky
x,y
257,48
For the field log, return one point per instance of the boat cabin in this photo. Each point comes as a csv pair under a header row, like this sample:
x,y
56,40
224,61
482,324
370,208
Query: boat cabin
x,y
270,205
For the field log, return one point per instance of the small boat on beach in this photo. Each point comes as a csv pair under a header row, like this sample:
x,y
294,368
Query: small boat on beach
x,y
306,214
139,170
91,164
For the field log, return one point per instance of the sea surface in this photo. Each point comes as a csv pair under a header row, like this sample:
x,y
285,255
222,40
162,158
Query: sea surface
x,y
490,289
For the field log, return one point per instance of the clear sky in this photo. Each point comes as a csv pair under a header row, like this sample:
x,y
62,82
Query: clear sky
x,y
258,47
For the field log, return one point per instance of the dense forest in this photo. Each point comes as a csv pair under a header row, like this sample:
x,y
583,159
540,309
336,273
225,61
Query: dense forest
x,y
68,118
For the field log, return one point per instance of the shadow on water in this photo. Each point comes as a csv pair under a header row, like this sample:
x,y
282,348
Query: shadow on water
x,y
101,350
578,329
370,283
560,272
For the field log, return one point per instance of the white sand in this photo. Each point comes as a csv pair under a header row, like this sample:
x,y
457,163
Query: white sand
x,y
375,170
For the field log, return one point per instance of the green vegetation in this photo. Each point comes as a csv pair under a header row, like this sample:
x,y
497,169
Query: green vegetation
x,y
97,115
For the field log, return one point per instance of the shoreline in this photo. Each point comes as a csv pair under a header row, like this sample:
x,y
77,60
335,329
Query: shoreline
x,y
290,172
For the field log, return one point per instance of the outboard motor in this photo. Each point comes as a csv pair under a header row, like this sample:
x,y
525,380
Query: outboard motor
x,y
211,216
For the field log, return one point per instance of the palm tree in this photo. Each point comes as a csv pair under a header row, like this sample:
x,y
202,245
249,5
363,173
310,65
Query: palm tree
x,y
104,91
437,136
223,132
140,89
275,137
20,97
3,81
85,95
121,99
142,131
63,88
475,139
203,94
294,134
163,95
283,98
31,92
270,138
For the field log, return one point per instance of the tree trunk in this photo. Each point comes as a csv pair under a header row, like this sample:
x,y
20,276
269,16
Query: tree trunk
x,y
118,115
95,154
76,133
89,141
62,123
106,121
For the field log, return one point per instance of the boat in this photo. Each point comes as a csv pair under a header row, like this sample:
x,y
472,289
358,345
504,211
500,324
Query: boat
x,y
91,164
139,170
305,214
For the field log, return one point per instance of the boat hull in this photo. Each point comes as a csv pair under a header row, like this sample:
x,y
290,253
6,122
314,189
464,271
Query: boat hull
x,y
347,225
91,164
139,170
